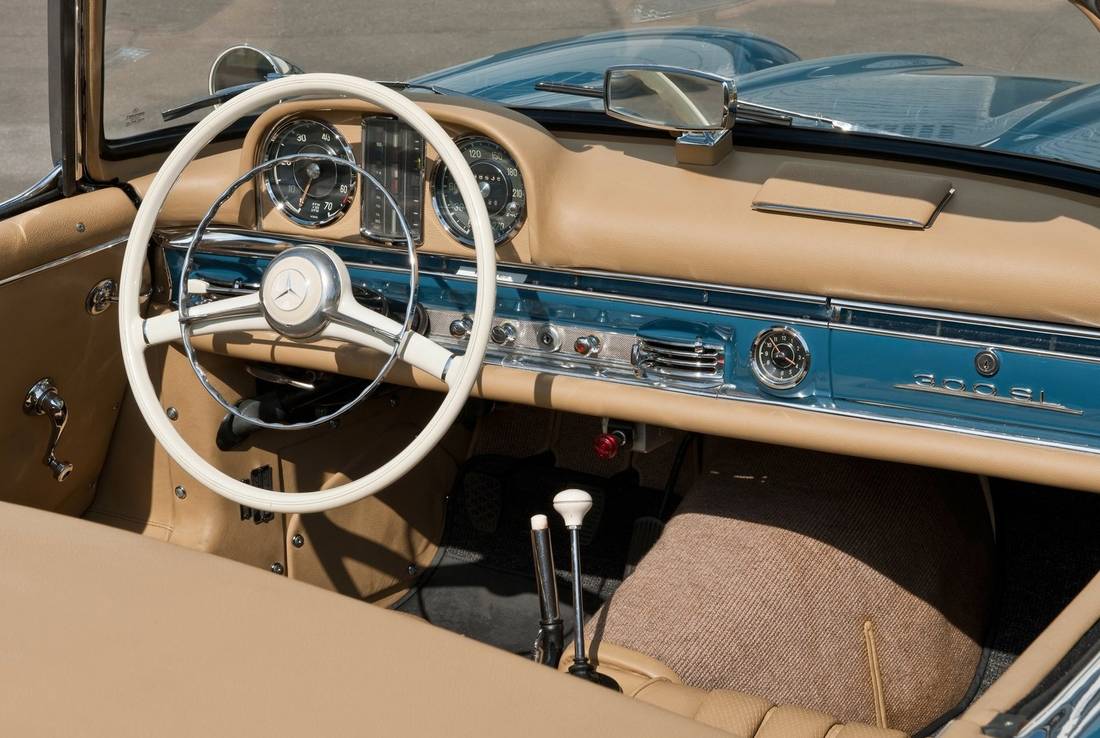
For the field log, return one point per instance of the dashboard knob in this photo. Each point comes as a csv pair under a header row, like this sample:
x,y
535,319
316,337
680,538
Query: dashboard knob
x,y
587,345
461,327
548,338
503,334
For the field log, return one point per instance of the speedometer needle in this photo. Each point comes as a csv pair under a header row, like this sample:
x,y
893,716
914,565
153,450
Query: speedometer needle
x,y
313,171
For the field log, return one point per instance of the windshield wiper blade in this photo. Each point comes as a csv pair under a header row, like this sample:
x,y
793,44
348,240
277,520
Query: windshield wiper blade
x,y
208,101
744,110
564,88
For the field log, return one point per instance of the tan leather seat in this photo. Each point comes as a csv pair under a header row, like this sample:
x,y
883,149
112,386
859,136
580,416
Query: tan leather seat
x,y
742,715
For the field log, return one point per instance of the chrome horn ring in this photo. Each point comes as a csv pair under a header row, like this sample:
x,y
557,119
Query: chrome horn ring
x,y
319,313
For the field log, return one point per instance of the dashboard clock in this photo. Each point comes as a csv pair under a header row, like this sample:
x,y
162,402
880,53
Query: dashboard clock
x,y
309,193
501,185
780,358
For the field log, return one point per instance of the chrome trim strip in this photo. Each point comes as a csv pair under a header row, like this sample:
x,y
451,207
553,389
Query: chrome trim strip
x,y
946,315
43,185
857,217
61,261
774,207
967,343
1053,407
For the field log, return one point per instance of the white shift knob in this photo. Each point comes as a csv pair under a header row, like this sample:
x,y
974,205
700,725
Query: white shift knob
x,y
573,505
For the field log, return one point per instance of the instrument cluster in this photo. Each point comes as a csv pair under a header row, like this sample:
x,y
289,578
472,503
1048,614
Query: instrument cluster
x,y
319,193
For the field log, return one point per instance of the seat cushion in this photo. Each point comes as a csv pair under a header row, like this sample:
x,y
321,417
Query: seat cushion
x,y
107,633
742,715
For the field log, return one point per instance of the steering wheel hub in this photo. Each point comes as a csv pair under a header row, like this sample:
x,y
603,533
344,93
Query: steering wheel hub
x,y
300,289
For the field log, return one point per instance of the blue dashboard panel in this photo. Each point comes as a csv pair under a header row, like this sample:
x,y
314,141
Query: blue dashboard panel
x,y
873,361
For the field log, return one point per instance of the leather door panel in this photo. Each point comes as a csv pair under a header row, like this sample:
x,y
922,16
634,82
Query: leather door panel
x,y
50,258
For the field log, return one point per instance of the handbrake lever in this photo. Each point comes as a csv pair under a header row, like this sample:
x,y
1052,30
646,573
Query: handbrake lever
x,y
551,638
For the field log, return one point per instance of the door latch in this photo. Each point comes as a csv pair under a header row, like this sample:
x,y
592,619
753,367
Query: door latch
x,y
43,399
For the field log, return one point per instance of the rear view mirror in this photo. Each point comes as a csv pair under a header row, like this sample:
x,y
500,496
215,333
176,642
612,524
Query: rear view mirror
x,y
243,64
670,98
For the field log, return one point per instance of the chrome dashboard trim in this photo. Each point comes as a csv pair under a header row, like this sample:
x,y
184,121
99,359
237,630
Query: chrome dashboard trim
x,y
853,216
62,261
219,240
950,316
47,183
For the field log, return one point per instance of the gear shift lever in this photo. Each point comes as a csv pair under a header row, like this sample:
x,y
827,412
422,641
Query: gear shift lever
x,y
573,505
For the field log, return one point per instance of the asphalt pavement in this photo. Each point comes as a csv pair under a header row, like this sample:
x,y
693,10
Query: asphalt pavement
x,y
158,52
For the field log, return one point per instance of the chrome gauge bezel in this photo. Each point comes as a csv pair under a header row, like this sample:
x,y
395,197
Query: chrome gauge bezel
x,y
762,376
438,170
279,204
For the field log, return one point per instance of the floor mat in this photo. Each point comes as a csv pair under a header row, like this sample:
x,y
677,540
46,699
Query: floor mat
x,y
483,585
1048,553
812,579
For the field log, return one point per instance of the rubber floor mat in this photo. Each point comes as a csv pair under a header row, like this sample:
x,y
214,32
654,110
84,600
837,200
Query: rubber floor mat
x,y
482,584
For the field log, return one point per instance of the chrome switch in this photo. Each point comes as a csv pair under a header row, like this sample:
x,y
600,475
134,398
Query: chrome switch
x,y
503,334
587,345
461,328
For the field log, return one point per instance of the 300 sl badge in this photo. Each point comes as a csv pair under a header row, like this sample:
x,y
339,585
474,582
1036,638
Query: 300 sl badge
x,y
987,391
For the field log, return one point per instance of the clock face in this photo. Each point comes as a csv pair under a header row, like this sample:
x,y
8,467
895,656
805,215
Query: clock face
x,y
780,358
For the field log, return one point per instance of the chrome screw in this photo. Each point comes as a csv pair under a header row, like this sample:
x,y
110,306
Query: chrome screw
x,y
277,568
181,492
298,541
172,413
80,228
412,570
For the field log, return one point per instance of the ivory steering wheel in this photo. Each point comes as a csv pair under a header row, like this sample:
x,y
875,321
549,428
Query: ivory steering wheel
x,y
319,304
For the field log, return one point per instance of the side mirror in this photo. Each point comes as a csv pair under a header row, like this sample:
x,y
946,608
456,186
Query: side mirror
x,y
243,64
670,98
700,106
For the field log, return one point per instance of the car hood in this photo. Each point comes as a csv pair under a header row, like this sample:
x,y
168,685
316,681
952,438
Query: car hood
x,y
920,96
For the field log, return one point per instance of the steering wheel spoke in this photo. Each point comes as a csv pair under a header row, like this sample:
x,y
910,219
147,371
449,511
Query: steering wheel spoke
x,y
361,326
232,314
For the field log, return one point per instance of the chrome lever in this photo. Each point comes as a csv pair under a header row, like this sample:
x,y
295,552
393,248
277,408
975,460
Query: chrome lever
x,y
43,399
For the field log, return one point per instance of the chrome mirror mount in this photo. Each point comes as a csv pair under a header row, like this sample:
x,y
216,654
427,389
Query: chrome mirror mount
x,y
700,106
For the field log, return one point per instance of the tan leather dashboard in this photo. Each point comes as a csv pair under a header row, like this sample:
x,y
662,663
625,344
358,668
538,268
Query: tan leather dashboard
x,y
622,204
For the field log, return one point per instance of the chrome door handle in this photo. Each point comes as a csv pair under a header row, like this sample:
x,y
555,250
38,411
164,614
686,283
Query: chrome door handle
x,y
43,399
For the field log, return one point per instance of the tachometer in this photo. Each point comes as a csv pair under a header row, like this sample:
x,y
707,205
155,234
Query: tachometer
x,y
310,193
501,185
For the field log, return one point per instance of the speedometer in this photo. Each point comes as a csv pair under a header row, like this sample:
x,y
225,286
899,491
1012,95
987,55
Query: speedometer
x,y
309,193
500,183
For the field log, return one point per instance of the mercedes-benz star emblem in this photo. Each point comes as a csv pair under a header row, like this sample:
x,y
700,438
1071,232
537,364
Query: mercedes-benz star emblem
x,y
291,289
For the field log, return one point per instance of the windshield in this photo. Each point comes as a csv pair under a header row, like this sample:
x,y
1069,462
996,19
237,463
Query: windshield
x,y
1018,76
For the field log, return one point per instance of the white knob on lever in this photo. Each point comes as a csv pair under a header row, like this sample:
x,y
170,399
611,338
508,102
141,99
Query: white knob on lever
x,y
573,505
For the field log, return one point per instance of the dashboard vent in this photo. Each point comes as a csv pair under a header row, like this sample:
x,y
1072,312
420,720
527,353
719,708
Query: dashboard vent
x,y
695,360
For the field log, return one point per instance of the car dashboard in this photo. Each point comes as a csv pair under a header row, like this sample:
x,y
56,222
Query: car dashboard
x,y
633,287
